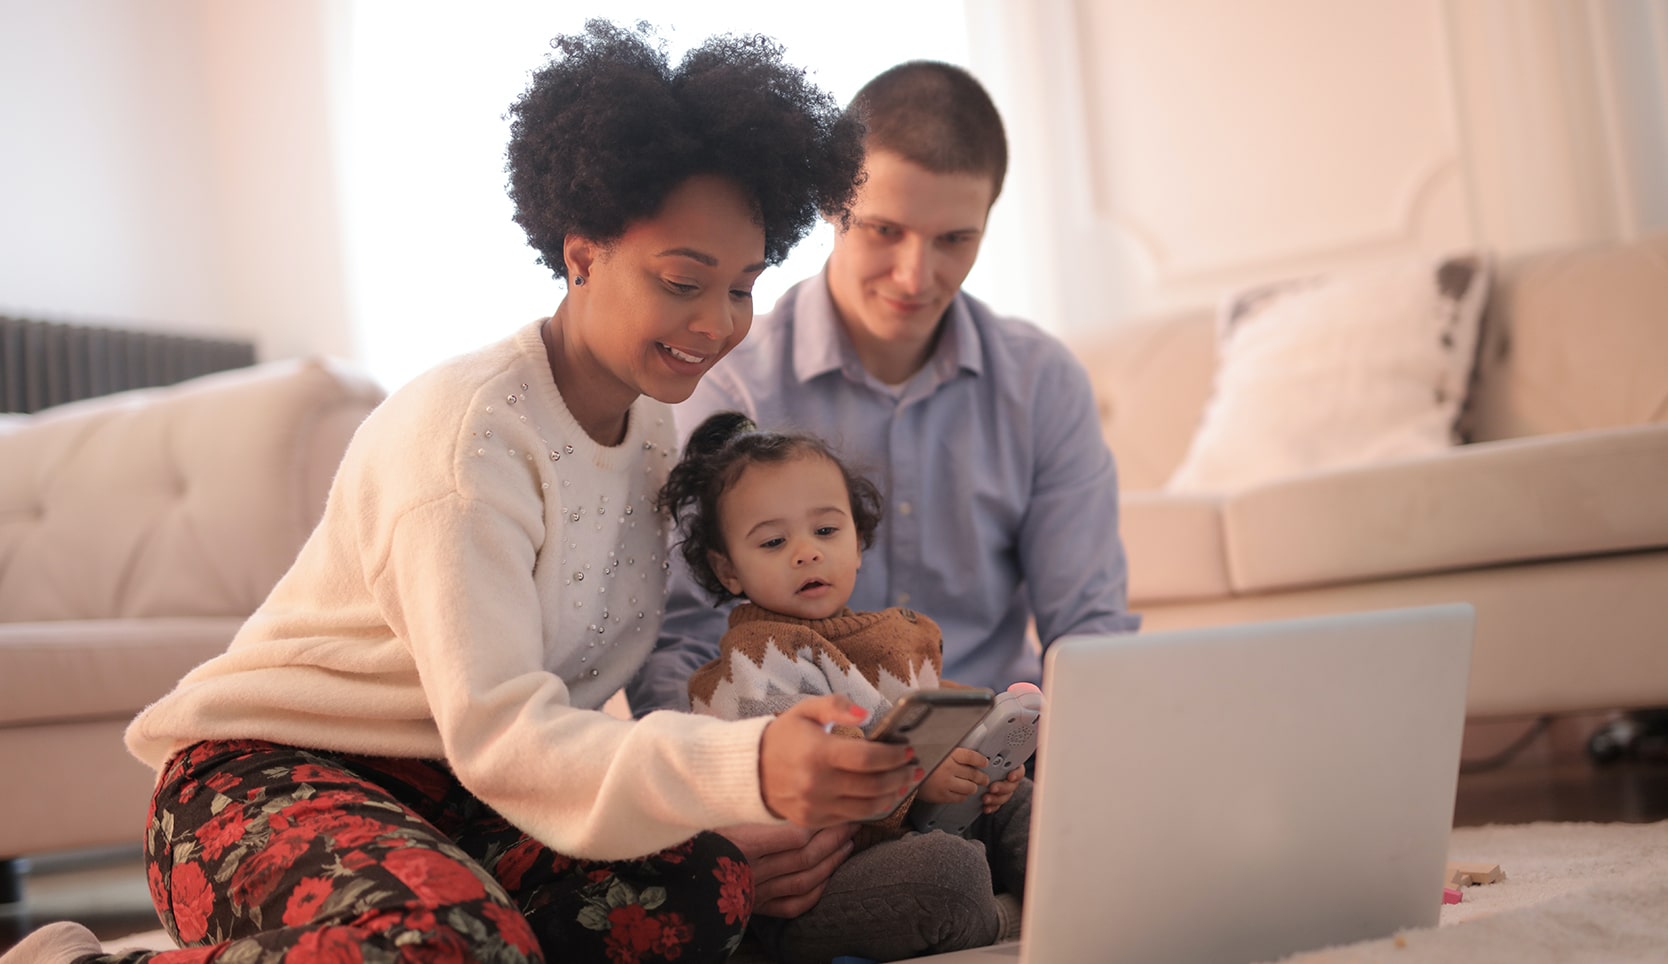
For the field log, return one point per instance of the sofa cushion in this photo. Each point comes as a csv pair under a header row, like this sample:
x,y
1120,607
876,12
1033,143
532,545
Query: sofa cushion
x,y
1339,370
189,500
91,669
1480,505
1574,340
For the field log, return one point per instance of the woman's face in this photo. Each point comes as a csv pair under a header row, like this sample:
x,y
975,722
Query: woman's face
x,y
661,305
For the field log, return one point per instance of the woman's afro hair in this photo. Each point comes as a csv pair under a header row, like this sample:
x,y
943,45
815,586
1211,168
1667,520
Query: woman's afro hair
x,y
607,128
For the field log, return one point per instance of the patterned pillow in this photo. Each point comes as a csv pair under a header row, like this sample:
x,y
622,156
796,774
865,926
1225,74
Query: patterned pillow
x,y
1334,371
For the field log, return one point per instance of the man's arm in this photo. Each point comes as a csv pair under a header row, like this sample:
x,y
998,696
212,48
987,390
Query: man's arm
x,y
689,636
1070,550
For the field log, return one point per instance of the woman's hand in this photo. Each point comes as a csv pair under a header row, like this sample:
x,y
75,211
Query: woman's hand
x,y
816,779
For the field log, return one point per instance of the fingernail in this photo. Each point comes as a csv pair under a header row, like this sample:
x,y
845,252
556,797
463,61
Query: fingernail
x,y
920,774
858,713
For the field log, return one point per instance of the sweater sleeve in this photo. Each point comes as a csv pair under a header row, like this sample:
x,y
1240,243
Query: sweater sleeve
x,y
457,588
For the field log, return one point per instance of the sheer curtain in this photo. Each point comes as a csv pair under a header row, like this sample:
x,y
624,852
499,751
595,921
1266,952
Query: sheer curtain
x,y
435,266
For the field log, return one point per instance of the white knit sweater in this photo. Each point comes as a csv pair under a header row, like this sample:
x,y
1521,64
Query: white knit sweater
x,y
484,577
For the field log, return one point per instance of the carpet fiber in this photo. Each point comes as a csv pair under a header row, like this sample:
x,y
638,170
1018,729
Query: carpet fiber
x,y
1574,892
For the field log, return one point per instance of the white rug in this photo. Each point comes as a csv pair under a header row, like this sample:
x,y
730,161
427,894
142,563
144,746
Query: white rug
x,y
1574,892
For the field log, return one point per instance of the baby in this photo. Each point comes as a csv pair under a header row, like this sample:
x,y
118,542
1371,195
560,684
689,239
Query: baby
x,y
779,520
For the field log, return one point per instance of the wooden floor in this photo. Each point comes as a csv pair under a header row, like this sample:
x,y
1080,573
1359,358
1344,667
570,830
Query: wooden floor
x,y
107,892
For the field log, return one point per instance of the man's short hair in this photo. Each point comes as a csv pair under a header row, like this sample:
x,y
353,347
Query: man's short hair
x,y
935,115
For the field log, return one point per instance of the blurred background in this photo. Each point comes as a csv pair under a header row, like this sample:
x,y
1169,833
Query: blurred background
x,y
326,176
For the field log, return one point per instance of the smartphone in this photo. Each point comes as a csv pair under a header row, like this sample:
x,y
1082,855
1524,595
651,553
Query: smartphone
x,y
934,722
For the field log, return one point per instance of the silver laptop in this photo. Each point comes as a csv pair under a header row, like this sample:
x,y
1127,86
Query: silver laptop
x,y
1242,793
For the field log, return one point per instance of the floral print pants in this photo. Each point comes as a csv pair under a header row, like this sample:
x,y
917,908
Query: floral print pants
x,y
260,852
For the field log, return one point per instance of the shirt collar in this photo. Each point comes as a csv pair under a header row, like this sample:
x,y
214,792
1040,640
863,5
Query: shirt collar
x,y
821,345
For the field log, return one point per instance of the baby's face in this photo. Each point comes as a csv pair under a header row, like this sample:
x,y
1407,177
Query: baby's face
x,y
793,547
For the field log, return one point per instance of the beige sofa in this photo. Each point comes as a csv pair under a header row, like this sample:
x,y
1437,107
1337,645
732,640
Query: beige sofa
x,y
137,531
1553,522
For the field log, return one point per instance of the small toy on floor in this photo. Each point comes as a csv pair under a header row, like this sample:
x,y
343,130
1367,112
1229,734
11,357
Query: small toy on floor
x,y
1467,873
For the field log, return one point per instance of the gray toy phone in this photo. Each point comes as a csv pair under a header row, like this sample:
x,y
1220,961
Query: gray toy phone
x,y
1007,737
934,722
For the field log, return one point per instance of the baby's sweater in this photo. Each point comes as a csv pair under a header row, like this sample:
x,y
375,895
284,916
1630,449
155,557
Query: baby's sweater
x,y
767,662
484,577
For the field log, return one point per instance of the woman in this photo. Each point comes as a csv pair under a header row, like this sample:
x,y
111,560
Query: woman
x,y
402,754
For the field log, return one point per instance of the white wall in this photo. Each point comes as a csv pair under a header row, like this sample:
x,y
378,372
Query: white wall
x,y
107,183
1189,146
186,163
167,166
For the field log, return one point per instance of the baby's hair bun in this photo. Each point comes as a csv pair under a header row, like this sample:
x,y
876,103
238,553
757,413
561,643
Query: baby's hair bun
x,y
716,431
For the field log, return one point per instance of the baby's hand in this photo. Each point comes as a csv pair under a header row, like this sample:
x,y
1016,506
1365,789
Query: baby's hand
x,y
1001,790
958,777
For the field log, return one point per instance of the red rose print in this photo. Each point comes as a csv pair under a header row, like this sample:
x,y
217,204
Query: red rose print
x,y
421,775
305,900
259,873
357,860
517,861
434,877
153,880
219,834
512,927
330,945
631,933
735,891
191,902
675,932
222,781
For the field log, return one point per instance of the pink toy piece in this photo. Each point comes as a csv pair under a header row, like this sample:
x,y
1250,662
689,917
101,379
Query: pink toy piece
x,y
1451,895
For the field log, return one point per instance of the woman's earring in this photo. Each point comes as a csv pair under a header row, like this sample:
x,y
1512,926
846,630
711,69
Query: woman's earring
x,y
579,281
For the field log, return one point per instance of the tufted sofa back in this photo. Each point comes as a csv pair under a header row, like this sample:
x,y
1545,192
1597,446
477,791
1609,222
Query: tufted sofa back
x,y
189,500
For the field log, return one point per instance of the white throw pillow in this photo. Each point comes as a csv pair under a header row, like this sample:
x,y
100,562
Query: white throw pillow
x,y
1337,371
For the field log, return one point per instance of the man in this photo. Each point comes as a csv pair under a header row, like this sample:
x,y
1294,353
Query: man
x,y
981,431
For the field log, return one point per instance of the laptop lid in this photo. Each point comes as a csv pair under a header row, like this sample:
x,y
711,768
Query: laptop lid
x,y
1242,793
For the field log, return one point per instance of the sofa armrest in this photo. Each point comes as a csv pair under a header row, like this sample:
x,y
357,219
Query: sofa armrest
x,y
1544,497
1151,377
1175,547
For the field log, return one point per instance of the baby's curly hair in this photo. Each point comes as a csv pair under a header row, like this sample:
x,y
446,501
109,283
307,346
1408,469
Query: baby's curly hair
x,y
607,128
718,451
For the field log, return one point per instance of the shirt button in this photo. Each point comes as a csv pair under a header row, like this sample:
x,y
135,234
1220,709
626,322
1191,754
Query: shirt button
x,y
903,598
904,508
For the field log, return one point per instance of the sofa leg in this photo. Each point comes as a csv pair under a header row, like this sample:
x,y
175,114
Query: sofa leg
x,y
12,870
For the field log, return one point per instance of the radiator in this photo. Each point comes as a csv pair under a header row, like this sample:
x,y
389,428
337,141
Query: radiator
x,y
45,363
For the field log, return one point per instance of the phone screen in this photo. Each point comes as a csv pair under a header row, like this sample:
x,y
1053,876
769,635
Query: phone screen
x,y
934,722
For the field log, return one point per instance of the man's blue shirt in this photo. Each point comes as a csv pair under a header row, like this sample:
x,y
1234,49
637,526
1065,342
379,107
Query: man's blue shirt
x,y
1001,497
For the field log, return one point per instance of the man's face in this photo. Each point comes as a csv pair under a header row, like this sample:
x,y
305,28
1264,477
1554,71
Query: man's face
x,y
912,240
